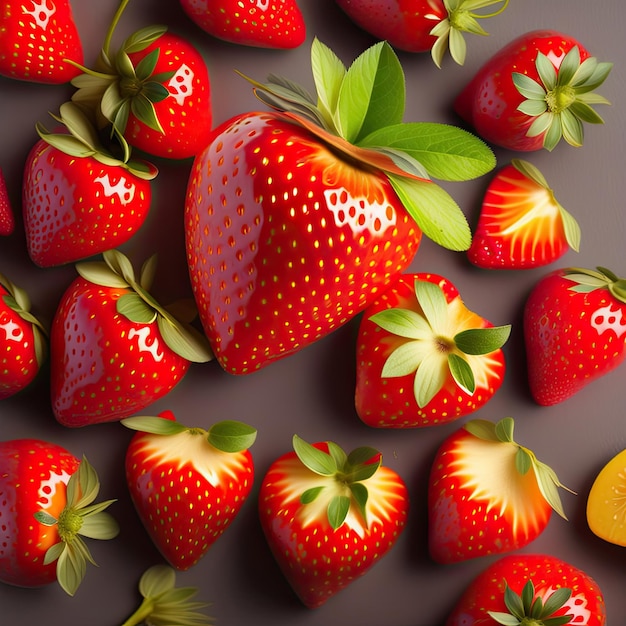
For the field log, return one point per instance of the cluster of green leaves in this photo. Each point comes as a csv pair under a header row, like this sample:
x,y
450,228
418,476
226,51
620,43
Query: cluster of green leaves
x,y
588,280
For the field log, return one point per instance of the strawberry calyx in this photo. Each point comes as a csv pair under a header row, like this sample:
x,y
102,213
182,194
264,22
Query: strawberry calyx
x,y
347,472
434,349
83,141
462,18
17,300
562,101
358,112
525,459
587,280
164,603
80,518
529,610
138,305
226,436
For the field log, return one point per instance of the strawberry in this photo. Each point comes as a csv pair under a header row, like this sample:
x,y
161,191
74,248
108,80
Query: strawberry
x,y
113,349
37,37
423,358
292,228
78,199
48,506
23,340
188,484
521,223
259,23
7,221
422,25
329,516
530,589
574,325
487,494
536,90
154,92
605,503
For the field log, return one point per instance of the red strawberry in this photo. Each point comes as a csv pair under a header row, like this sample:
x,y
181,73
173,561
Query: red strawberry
x,y
113,349
422,25
574,327
37,38
23,340
329,517
533,92
7,221
188,484
154,92
521,223
293,229
78,200
530,589
47,507
487,494
259,23
423,358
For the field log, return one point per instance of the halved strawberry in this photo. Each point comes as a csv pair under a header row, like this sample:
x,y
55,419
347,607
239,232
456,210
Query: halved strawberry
x,y
521,223
7,221
487,494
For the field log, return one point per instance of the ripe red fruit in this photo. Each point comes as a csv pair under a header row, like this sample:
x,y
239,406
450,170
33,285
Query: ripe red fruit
x,y
521,223
258,23
329,517
293,226
487,494
422,25
530,589
188,484
536,90
48,506
7,221
574,326
37,37
113,349
78,200
423,357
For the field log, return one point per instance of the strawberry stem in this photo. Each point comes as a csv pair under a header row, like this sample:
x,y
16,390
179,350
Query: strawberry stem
x,y
106,47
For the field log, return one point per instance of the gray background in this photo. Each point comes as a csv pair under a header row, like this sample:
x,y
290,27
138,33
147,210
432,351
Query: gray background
x,y
311,393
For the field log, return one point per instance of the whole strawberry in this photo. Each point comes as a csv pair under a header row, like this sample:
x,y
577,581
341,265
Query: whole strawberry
x,y
258,23
48,507
23,340
188,484
37,39
423,357
329,516
534,92
575,331
154,92
78,199
113,349
7,221
423,25
487,494
296,220
533,589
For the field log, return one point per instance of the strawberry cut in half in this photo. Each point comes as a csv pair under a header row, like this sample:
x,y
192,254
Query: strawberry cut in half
x,y
188,484
487,494
329,516
423,357
521,223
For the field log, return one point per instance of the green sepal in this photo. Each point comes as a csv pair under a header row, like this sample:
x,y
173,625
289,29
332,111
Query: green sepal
x,y
337,512
45,518
314,459
153,424
462,373
231,436
310,495
478,341
588,280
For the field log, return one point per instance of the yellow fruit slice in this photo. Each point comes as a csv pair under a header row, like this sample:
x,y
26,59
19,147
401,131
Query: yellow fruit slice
x,y
606,504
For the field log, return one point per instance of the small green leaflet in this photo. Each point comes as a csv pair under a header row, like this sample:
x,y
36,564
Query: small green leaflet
x,y
232,436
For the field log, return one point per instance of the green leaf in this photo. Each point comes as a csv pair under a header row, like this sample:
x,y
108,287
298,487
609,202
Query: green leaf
x,y
434,211
546,70
548,485
143,109
364,455
504,429
154,425
328,74
506,619
100,526
429,379
185,340
314,459
523,461
143,37
478,341
157,580
71,567
432,302
462,373
405,359
83,486
556,600
337,452
232,436
514,603
445,151
310,495
337,512
571,228
483,429
45,518
403,323
133,307
528,87
360,495
53,553
145,67
568,67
